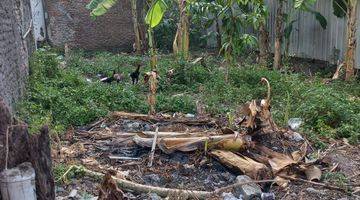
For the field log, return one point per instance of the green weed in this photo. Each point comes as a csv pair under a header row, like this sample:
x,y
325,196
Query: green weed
x,y
65,96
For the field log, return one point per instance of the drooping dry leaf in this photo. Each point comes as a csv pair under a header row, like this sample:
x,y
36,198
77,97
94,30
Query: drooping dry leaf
x,y
338,70
109,189
313,173
277,160
249,110
282,182
169,145
69,135
236,145
143,141
300,154
244,164
186,143
279,163
90,162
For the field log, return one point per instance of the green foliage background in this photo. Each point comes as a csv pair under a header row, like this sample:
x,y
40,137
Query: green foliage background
x,y
62,96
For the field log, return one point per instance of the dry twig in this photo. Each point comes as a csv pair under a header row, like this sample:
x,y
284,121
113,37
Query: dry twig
x,y
151,156
315,183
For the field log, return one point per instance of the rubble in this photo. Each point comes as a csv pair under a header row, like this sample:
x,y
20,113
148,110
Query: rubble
x,y
248,191
294,123
267,196
229,196
73,194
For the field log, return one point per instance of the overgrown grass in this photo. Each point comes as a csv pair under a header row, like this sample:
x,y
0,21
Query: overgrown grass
x,y
63,97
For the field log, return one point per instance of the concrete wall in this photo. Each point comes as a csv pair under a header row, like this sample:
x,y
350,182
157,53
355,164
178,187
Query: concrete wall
x,y
70,22
15,21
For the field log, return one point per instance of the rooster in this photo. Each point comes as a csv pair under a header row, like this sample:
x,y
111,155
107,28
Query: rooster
x,y
118,77
135,75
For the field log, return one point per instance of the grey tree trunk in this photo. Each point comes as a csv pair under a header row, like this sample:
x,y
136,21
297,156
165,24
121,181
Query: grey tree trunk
x,y
278,35
138,48
264,44
351,39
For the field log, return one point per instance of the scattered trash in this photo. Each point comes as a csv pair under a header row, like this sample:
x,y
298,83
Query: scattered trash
x,y
294,136
229,196
248,191
154,196
267,196
315,191
18,182
294,123
190,115
73,194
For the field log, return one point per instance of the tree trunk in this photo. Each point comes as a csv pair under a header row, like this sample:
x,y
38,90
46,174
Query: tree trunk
x,y
218,34
153,59
23,147
278,35
264,44
138,48
40,157
351,39
181,41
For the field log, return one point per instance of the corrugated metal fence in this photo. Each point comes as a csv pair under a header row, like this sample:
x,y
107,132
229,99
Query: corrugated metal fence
x,y
309,39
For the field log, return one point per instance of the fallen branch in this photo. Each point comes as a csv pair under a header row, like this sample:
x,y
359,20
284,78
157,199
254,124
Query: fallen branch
x,y
155,119
185,144
244,164
174,134
139,188
152,152
315,183
163,192
223,189
112,157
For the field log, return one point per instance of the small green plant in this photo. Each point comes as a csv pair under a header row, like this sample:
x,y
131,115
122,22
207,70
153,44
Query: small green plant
x,y
337,178
63,173
67,98
59,170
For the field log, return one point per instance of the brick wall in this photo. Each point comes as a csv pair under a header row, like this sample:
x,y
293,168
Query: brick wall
x,y
70,22
14,50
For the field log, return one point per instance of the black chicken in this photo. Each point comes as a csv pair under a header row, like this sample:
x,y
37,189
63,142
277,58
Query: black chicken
x,y
118,77
135,75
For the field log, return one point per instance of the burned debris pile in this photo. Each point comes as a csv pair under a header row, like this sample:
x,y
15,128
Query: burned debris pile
x,y
192,157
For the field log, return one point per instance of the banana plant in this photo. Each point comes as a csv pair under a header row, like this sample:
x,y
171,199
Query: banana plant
x,y
100,7
153,17
181,42
305,6
348,9
208,13
297,6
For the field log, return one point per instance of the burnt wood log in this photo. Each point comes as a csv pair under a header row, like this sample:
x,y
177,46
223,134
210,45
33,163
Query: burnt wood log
x,y
18,139
27,148
40,154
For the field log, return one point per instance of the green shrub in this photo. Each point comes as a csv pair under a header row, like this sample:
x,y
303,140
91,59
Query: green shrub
x,y
62,96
